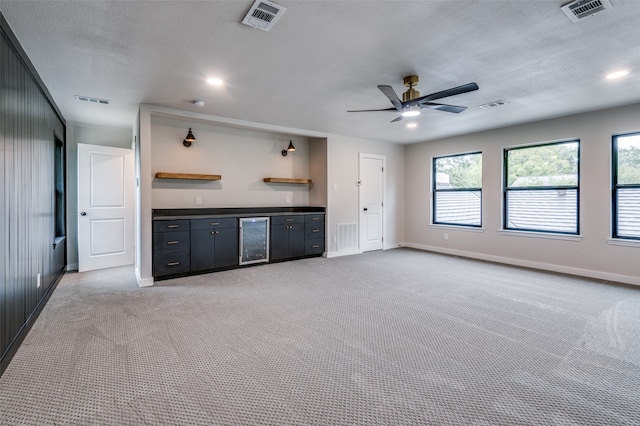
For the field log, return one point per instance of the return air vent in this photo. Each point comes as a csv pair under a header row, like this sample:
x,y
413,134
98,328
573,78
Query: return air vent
x,y
580,9
263,15
493,104
93,100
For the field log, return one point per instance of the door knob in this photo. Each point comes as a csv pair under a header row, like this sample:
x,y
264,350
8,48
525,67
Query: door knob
x,y
83,213
365,209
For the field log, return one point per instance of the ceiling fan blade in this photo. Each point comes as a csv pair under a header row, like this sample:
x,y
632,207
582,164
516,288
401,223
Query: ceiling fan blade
x,y
397,119
443,107
389,93
469,87
372,110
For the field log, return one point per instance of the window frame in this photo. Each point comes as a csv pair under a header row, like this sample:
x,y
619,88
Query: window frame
x,y
506,189
435,190
59,190
615,187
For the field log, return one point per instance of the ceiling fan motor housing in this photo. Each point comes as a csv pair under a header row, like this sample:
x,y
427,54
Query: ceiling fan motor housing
x,y
410,81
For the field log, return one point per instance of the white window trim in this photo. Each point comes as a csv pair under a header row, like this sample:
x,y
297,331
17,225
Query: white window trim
x,y
625,242
545,235
468,228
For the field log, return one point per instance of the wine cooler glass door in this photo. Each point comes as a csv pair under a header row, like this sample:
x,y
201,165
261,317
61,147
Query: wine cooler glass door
x,y
254,240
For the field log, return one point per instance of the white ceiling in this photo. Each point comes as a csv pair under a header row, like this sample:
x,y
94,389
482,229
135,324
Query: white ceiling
x,y
323,58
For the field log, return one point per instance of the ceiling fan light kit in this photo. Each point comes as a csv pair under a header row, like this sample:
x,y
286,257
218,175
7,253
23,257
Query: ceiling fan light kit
x,y
412,102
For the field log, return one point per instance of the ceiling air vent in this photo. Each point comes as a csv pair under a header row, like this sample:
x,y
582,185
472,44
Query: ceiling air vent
x,y
493,104
93,100
580,9
263,15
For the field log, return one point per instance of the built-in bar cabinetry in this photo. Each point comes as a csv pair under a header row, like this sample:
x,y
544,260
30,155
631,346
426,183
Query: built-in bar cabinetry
x,y
195,241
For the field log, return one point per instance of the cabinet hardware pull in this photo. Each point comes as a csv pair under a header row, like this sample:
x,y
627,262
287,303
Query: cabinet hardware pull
x,y
173,242
315,246
216,232
288,220
315,218
172,226
315,230
173,263
214,223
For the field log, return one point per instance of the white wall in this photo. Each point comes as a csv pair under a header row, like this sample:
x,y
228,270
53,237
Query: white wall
x,y
242,157
120,137
591,256
244,153
343,156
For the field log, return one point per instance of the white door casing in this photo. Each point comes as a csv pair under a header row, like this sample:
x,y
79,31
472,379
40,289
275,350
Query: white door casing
x,y
371,201
105,207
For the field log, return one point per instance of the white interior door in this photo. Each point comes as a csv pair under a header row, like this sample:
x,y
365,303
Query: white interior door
x,y
371,202
105,207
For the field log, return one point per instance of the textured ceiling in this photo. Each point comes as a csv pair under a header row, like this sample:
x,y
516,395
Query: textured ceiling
x,y
323,58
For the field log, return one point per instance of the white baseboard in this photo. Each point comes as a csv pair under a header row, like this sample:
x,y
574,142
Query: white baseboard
x,y
331,254
599,275
143,282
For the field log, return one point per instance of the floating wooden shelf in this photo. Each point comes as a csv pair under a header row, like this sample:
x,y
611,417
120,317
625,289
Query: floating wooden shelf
x,y
287,180
192,176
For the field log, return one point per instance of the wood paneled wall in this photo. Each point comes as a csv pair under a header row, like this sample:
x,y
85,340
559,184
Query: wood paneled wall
x,y
29,125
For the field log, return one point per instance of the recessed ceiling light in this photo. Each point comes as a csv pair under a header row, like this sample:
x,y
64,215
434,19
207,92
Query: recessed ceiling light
x,y
215,81
412,125
617,74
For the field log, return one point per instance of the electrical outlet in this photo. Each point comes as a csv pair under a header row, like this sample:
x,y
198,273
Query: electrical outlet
x,y
198,200
446,236
335,239
38,280
287,200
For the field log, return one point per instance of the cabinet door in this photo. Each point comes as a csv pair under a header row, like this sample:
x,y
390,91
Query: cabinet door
x,y
202,249
279,242
226,247
296,240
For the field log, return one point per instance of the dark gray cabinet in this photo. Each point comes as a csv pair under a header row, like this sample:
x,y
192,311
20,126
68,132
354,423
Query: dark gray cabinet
x,y
287,237
171,247
214,244
313,234
192,245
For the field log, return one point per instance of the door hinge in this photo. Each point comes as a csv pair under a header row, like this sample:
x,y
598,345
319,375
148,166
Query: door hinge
x,y
383,169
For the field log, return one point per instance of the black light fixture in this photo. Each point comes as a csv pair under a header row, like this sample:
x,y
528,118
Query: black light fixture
x,y
189,139
290,148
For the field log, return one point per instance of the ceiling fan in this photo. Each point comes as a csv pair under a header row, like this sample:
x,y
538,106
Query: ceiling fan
x,y
412,102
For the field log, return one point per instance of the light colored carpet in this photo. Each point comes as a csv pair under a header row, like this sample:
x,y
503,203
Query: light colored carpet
x,y
400,337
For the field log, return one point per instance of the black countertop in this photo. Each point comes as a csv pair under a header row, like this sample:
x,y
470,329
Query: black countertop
x,y
231,211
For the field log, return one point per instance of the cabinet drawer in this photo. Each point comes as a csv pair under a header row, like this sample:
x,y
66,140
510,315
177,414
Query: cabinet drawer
x,y
170,225
316,217
169,242
285,220
314,230
171,263
314,246
222,222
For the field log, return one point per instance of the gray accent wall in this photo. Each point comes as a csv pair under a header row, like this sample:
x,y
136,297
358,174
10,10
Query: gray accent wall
x,y
31,257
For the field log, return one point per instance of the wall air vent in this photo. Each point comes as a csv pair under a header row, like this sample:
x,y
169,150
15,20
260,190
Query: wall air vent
x,y
493,104
580,9
263,15
93,100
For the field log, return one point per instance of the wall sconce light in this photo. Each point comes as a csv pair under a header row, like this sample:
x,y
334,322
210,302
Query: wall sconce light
x,y
290,148
189,139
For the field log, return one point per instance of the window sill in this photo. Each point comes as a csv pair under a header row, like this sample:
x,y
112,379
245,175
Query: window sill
x,y
58,241
456,227
544,235
623,242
